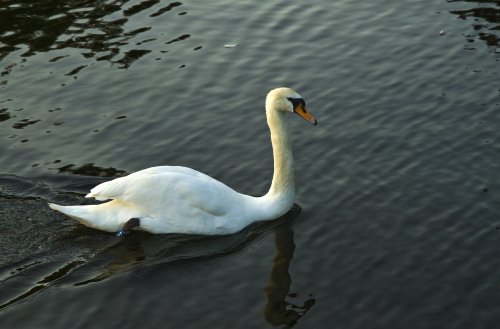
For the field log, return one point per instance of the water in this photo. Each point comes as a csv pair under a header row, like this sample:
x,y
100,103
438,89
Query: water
x,y
398,184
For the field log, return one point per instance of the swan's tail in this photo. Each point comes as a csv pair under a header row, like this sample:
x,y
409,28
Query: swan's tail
x,y
109,216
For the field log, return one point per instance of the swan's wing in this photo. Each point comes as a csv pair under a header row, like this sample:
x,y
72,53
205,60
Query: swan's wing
x,y
118,188
162,190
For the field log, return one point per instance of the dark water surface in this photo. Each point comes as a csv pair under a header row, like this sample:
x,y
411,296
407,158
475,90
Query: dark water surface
x,y
399,183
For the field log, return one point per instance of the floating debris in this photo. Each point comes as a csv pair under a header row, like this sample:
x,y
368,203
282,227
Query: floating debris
x,y
230,45
442,32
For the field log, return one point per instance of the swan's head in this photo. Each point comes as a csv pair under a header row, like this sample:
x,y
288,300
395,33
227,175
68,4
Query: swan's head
x,y
288,100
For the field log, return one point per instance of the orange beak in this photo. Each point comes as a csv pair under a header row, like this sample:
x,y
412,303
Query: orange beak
x,y
301,110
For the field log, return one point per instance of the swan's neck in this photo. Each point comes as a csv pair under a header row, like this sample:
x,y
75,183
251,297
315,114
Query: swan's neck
x,y
283,177
279,199
281,194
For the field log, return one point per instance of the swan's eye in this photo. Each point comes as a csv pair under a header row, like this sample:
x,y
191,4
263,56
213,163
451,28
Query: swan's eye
x,y
296,102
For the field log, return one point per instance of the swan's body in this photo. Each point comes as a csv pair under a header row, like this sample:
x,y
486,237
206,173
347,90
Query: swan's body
x,y
170,199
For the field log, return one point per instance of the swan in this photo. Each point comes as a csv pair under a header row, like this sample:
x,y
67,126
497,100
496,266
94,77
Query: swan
x,y
173,199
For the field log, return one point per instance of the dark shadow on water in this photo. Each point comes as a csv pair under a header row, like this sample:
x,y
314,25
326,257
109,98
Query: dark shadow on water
x,y
70,255
147,254
485,16
97,28
278,310
90,169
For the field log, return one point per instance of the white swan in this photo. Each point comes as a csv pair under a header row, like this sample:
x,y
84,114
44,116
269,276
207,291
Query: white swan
x,y
170,199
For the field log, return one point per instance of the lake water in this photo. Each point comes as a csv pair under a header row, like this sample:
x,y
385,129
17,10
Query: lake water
x,y
398,185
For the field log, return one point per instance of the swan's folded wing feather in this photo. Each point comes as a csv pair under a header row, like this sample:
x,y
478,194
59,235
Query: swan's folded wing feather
x,y
182,191
109,190
119,187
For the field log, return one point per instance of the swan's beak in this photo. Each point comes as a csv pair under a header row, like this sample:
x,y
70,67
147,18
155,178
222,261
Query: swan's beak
x,y
301,110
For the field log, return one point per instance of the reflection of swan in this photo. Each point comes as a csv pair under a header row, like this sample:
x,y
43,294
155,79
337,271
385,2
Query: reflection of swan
x,y
182,200
143,253
278,311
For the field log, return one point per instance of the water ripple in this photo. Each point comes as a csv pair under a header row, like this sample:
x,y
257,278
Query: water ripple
x,y
97,31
